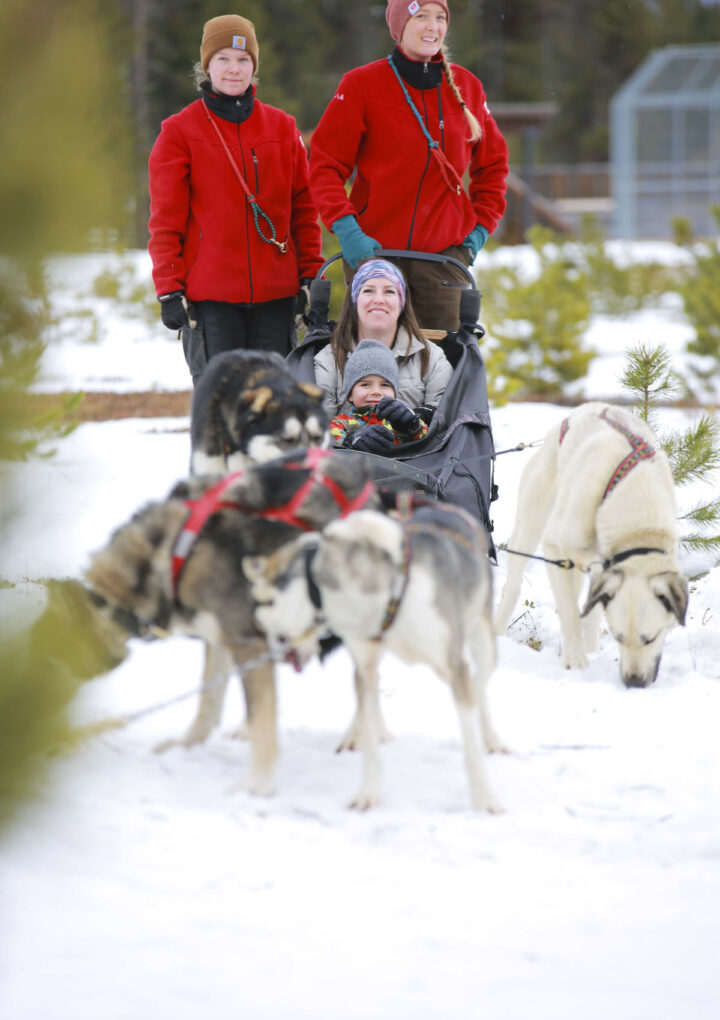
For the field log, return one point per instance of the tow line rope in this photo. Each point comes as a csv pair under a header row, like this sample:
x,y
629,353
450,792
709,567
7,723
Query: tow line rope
x,y
118,722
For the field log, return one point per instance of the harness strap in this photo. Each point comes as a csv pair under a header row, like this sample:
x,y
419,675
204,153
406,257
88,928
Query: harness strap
x,y
200,509
641,450
252,201
211,501
448,171
400,587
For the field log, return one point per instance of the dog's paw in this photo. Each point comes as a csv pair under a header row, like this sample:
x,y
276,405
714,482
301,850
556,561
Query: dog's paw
x,y
190,739
351,739
364,800
573,660
260,784
240,733
485,801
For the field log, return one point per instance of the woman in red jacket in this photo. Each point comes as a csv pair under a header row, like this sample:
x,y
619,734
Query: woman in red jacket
x,y
234,234
410,126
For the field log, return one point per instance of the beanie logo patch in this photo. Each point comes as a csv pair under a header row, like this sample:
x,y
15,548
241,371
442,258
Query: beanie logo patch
x,y
414,7
238,42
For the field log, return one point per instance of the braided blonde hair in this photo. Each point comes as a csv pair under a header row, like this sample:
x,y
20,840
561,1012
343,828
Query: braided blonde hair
x,y
475,129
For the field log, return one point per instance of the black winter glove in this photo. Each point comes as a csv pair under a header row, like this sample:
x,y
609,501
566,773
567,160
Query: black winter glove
x,y
400,416
302,302
370,439
173,309
426,412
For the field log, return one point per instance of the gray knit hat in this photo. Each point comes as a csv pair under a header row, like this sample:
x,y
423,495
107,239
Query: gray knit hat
x,y
370,357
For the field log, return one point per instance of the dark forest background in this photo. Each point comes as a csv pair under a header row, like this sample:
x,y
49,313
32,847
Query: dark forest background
x,y
574,55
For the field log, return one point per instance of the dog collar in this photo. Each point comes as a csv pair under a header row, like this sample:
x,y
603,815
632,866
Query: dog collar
x,y
642,550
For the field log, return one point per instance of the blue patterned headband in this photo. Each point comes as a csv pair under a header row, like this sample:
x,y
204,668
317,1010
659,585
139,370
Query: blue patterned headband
x,y
378,267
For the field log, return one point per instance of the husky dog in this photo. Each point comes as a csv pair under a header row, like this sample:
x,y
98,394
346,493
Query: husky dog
x,y
600,493
177,566
247,408
420,588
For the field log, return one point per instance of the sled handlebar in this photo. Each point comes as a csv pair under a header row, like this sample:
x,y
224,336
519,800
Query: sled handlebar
x,y
420,256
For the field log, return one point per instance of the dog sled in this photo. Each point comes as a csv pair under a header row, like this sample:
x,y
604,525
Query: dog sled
x,y
454,463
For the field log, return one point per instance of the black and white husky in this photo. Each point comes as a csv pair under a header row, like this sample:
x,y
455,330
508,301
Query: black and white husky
x,y
247,409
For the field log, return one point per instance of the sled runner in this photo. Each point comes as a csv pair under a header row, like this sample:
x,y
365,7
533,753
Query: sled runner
x,y
455,461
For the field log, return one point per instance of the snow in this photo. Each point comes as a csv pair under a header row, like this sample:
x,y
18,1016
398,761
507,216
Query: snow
x,y
145,885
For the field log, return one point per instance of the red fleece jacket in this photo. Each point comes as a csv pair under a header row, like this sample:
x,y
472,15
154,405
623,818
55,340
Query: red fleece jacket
x,y
399,194
203,238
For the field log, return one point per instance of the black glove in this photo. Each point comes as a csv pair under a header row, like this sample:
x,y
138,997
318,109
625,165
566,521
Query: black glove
x,y
425,412
302,302
173,309
400,416
370,439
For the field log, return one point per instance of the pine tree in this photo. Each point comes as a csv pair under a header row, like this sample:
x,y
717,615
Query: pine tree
x,y
537,327
693,453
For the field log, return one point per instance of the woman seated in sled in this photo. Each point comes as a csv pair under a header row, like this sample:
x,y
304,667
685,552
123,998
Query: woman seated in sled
x,y
377,306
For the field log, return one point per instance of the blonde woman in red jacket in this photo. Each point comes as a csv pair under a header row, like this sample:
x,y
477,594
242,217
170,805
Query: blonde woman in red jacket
x,y
234,234
410,126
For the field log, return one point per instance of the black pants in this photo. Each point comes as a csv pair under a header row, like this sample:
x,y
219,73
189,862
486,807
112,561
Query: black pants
x,y
224,326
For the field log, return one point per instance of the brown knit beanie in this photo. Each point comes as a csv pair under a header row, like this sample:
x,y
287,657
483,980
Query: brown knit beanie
x,y
229,31
398,13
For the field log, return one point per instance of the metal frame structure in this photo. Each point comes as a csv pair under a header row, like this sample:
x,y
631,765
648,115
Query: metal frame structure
x,y
665,143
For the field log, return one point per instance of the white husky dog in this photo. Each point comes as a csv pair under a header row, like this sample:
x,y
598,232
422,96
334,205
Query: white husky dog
x,y
420,588
600,493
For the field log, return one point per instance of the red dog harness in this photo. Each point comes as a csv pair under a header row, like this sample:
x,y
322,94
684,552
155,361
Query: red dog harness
x,y
640,450
212,501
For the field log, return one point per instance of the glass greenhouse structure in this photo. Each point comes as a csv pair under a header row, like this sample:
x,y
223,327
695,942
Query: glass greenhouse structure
x,y
665,143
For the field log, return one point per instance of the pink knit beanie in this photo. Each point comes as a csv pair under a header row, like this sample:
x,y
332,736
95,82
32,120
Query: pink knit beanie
x,y
399,11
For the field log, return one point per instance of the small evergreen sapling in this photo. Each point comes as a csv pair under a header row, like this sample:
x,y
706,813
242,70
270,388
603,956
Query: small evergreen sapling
x,y
693,454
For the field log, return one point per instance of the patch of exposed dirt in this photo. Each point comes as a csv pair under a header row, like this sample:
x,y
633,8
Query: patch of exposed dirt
x,y
99,406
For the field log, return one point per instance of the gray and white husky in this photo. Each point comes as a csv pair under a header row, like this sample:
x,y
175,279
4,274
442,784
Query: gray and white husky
x,y
420,588
176,565
600,493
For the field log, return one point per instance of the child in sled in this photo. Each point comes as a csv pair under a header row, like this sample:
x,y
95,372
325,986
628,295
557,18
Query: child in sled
x,y
377,421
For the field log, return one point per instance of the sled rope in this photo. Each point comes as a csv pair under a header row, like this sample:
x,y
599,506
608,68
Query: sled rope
x,y
119,722
563,564
641,550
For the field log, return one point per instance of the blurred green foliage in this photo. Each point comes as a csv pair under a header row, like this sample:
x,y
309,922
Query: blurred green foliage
x,y
693,452
63,185
700,292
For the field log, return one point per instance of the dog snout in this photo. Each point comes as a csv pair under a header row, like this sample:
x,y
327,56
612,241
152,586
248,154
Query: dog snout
x,y
637,679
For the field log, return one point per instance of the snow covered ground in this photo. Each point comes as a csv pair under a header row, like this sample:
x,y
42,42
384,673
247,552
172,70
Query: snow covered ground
x,y
146,886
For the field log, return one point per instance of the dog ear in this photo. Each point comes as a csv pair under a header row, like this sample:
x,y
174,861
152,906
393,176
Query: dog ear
x,y
310,390
257,399
602,589
672,590
255,567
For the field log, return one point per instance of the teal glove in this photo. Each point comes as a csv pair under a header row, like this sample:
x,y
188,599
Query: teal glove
x,y
354,245
476,239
